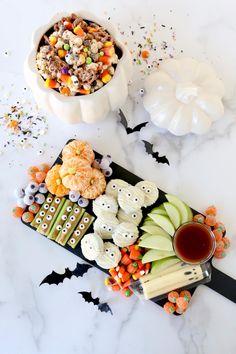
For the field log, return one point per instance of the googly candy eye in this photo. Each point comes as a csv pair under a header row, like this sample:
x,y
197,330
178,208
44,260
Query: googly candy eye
x,y
57,200
126,235
135,200
109,229
28,199
43,188
40,198
44,226
107,250
77,233
77,210
114,186
72,241
69,209
83,202
46,206
107,172
74,196
49,199
81,226
148,190
86,220
19,192
64,217
131,236
72,218
38,221
143,188
134,216
49,217
112,254
141,91
68,225
128,195
59,227
149,66
42,213
105,163
104,227
52,209
64,231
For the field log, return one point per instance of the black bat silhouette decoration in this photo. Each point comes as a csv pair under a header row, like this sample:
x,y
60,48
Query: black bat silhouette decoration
x,y
149,150
102,306
56,278
129,130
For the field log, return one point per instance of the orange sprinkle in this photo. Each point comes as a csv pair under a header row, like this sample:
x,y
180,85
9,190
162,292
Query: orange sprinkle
x,y
145,54
12,124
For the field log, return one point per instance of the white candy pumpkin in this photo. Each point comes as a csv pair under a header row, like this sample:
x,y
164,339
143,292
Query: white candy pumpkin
x,y
184,96
88,108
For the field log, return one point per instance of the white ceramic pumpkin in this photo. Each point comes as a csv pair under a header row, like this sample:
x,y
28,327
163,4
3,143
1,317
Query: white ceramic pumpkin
x,y
184,96
88,108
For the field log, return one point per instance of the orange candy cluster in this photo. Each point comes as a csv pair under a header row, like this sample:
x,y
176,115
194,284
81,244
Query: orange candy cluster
x,y
177,302
218,229
38,173
129,268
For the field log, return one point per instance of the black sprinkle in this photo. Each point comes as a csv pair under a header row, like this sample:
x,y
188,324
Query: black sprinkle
x,y
163,25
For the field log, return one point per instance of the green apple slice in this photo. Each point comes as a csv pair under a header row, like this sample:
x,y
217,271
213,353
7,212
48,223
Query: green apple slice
x,y
144,236
173,214
163,264
159,211
157,243
190,213
154,255
164,222
154,230
181,206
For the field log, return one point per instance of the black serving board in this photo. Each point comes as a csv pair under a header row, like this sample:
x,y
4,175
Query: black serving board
x,y
220,282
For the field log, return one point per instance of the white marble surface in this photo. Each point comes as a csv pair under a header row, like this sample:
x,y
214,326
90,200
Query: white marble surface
x,y
55,319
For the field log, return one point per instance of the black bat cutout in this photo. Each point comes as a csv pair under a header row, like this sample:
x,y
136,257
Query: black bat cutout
x,y
149,150
102,306
129,130
56,278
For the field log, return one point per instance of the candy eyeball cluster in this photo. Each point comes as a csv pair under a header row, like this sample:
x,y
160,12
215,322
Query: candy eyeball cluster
x,y
104,204
76,56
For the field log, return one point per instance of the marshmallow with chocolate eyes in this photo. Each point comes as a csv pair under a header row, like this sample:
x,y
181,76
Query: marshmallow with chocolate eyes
x,y
105,204
111,256
105,225
150,190
115,186
131,199
125,234
92,246
134,217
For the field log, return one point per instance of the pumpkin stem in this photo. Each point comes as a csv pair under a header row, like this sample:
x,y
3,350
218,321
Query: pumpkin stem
x,y
71,171
78,151
58,181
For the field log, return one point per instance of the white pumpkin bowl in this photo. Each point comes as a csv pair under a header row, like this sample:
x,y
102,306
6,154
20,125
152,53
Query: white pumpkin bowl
x,y
184,96
88,108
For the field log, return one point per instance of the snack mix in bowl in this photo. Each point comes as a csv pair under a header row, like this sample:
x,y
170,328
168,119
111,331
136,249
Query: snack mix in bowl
x,y
77,56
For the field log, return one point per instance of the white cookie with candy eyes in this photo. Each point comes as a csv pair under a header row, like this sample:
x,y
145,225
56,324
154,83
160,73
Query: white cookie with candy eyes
x,y
115,186
131,199
110,257
125,234
92,246
105,225
105,203
150,190
134,217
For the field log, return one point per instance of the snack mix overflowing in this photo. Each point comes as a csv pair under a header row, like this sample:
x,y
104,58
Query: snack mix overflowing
x,y
76,56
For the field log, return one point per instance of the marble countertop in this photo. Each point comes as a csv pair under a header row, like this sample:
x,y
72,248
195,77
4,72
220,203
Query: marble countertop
x,y
55,319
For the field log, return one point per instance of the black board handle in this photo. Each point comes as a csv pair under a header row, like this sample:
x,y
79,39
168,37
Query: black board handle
x,y
223,284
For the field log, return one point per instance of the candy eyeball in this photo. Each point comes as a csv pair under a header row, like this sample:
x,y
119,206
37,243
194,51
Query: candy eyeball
x,y
105,163
110,257
141,91
40,152
69,59
105,225
21,203
19,192
105,203
150,190
114,186
125,234
131,199
32,188
107,172
83,202
96,164
28,199
134,217
108,157
39,198
92,246
75,80
74,196
43,188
